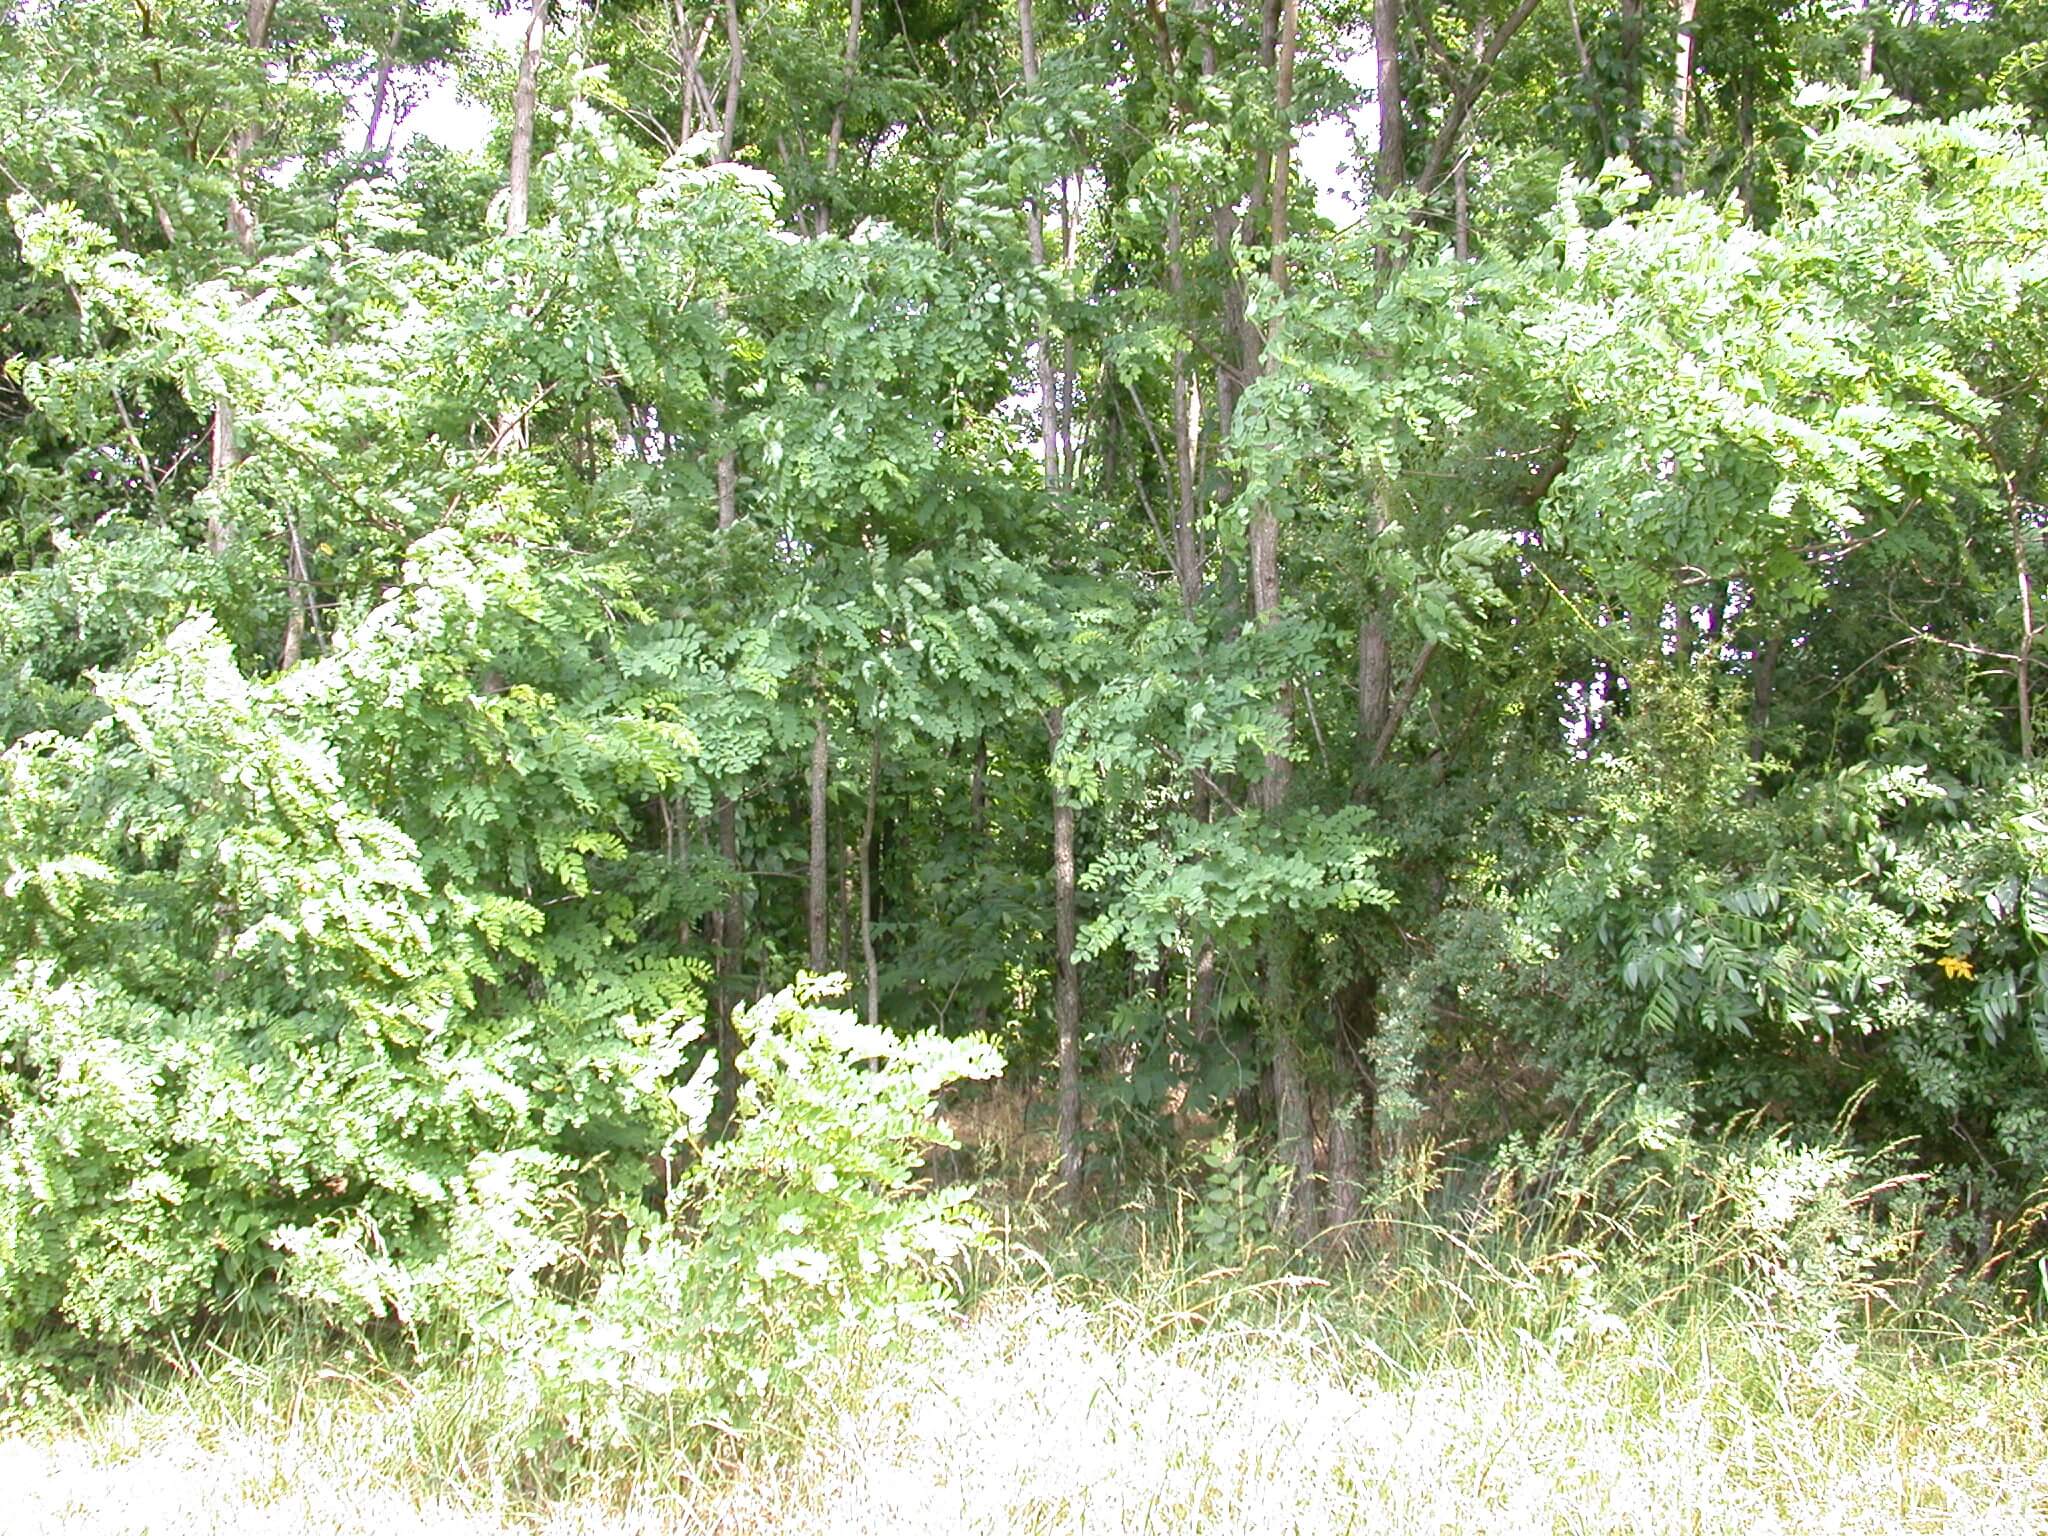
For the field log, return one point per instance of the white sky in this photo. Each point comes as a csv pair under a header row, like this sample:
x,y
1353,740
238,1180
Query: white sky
x,y
1324,154
445,116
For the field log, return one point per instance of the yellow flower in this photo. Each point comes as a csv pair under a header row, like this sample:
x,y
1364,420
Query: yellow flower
x,y
1957,967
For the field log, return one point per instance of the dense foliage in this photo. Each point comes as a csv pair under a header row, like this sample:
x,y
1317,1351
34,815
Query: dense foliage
x,y
930,493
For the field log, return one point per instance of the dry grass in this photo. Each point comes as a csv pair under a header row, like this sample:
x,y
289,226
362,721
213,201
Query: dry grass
x,y
1039,1412
1694,1373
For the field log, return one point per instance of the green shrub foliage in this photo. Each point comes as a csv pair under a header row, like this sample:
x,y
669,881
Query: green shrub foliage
x,y
992,534
248,1000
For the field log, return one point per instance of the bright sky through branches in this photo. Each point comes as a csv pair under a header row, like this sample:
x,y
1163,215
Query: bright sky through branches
x,y
1325,153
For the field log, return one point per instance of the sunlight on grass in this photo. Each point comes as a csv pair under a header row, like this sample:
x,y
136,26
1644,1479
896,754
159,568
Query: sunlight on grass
x,y
1732,1357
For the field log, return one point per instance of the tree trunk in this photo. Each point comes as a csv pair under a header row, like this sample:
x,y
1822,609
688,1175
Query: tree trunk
x,y
1034,227
848,857
1681,90
1461,212
1066,990
1296,1127
1347,1170
977,821
1762,686
1375,681
525,106
226,455
726,939
2023,664
1187,415
1632,77
300,615
241,220
838,132
226,445
732,935
1290,1078
514,426
1066,982
381,94
1391,164
1350,1120
687,74
816,913
867,883
735,62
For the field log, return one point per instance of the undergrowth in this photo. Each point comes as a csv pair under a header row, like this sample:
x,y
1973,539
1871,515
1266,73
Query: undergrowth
x,y
1622,1328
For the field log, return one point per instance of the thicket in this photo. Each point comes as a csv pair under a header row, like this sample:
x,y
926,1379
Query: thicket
x,y
930,495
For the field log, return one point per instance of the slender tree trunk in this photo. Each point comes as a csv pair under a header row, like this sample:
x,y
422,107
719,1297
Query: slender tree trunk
x,y
732,940
241,220
1066,983
300,614
1390,176
1745,135
1375,680
226,455
1187,408
1763,685
1034,227
977,821
696,95
525,107
1222,236
817,912
1290,1075
686,74
1348,1123
1066,990
735,63
1461,211
225,442
1070,367
838,132
2023,667
1295,1124
514,426
1187,569
848,858
1681,90
1391,163
867,882
732,926
382,93
1350,1119
1187,545
1632,77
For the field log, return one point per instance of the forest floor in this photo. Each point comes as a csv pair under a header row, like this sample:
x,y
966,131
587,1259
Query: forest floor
x,y
1499,1372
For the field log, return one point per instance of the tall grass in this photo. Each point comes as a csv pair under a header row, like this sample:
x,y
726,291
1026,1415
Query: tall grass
x,y
1633,1331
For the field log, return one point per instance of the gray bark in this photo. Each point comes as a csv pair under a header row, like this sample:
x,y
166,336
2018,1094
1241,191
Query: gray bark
x,y
1681,87
525,107
816,913
1290,1077
1391,165
1066,991
735,63
382,93
867,884
838,131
